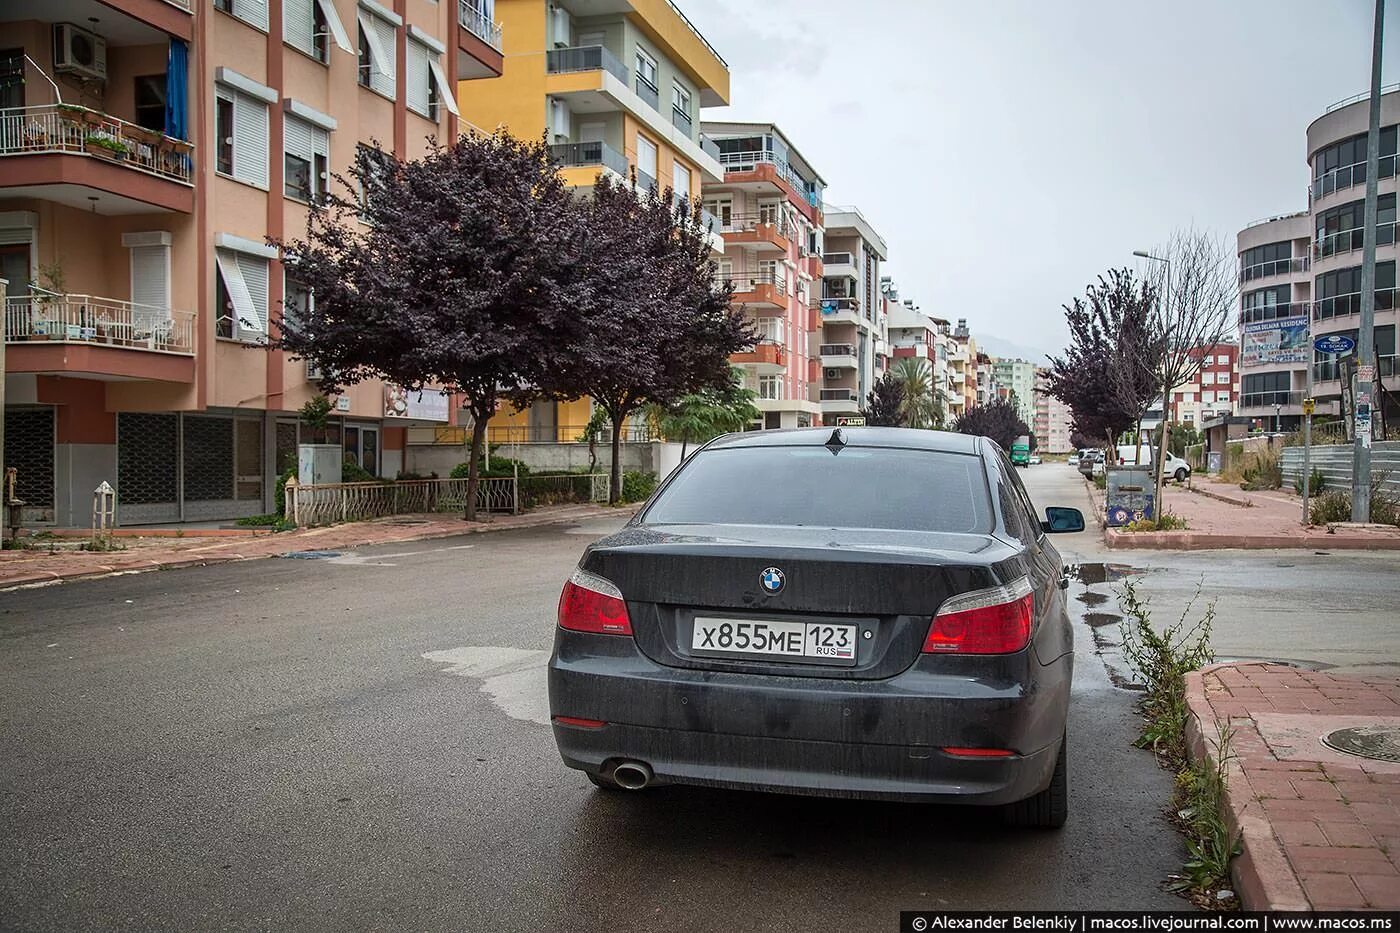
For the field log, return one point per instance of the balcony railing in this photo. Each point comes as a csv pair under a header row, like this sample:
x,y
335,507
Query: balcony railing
x,y
708,146
1274,312
479,24
1347,241
1274,267
573,155
648,92
1270,399
1330,370
839,395
585,58
837,349
749,160
89,319
747,283
1334,306
1345,176
49,128
838,259
739,223
839,303
681,121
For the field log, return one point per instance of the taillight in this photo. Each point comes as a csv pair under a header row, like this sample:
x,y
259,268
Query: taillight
x,y
991,621
590,603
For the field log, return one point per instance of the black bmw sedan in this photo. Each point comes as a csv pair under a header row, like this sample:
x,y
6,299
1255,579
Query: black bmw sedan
x,y
857,612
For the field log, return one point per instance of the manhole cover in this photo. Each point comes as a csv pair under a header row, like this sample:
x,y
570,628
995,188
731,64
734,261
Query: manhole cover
x,y
311,555
1379,742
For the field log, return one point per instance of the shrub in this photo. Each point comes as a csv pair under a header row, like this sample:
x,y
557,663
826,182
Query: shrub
x,y
352,472
1263,469
500,466
637,486
1316,483
1164,522
1334,505
279,494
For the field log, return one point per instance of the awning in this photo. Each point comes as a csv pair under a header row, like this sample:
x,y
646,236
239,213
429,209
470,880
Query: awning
x,y
333,23
243,307
444,90
377,54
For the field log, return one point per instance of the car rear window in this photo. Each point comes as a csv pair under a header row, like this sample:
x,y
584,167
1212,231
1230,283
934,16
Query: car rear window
x,y
858,487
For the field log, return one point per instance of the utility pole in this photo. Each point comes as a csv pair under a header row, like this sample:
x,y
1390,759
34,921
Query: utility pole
x,y
1364,391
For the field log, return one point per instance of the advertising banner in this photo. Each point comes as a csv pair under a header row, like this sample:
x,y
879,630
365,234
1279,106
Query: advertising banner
x,y
427,405
1270,342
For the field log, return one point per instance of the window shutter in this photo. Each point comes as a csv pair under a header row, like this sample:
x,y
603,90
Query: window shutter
x,y
252,11
382,39
254,272
299,24
336,27
418,77
447,92
304,139
250,140
243,308
150,276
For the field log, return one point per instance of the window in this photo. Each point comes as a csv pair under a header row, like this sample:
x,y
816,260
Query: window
x,y
1208,379
646,161
297,301
241,126
723,210
884,488
378,162
252,12
680,108
1343,164
306,161
223,135
1338,293
769,212
150,102
680,179
241,295
646,68
1341,229
770,387
1222,360
421,93
378,41
1270,259
11,78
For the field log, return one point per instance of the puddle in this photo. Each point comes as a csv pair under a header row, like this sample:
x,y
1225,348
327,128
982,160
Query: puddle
x,y
310,555
1092,573
1096,619
1090,598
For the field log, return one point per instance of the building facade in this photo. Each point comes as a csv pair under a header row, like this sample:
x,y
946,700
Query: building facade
x,y
1313,260
148,149
1017,378
617,87
853,313
768,204
1052,421
1214,392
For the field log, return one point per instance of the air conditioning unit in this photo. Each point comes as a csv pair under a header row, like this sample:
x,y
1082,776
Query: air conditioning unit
x,y
559,24
77,51
313,372
833,374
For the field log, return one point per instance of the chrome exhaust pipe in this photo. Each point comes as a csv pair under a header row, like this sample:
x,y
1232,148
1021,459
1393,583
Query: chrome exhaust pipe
x,y
632,775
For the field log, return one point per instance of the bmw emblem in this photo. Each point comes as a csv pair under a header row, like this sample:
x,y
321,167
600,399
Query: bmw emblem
x,y
773,580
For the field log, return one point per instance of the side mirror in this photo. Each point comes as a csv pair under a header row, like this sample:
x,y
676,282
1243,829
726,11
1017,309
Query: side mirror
x,y
1060,520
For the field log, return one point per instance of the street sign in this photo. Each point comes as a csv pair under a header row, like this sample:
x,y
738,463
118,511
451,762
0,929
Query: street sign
x,y
1334,343
850,421
1309,405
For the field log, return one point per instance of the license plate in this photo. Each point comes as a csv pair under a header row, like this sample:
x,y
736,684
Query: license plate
x,y
780,641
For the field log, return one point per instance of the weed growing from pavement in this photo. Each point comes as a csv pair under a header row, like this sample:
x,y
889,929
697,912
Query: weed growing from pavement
x,y
1164,522
1161,661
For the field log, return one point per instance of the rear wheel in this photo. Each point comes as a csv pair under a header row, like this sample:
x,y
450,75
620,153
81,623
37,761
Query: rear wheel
x,y
1181,475
1050,808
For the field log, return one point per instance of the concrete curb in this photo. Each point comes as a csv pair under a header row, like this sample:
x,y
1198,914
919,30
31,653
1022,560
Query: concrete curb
x,y
93,571
1205,541
1263,877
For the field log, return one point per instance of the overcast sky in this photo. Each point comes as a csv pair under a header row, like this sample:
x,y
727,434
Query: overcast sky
x,y
1010,150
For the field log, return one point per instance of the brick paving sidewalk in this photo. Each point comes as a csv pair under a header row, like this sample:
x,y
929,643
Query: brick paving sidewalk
x,y
165,553
1320,828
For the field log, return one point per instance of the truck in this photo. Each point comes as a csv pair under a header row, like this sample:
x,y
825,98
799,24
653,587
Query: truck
x,y
1021,451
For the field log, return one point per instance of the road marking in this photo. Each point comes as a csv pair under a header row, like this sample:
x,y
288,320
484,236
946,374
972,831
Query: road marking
x,y
513,678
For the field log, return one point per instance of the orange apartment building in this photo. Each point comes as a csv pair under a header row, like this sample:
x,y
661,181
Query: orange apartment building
x,y
768,206
148,149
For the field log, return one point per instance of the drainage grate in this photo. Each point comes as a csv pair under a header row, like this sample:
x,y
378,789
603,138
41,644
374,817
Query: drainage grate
x,y
311,555
1379,742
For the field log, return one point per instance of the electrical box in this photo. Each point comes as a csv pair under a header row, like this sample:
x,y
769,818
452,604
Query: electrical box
x,y
1131,495
318,463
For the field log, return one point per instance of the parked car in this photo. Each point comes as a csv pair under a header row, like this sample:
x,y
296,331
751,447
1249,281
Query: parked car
x,y
1088,458
906,640
1034,459
1172,465
1073,459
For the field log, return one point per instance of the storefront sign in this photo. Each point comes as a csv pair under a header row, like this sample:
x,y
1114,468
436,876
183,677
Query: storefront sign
x,y
425,405
1266,343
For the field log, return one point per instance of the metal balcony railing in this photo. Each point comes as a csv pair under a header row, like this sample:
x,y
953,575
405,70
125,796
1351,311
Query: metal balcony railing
x,y
1274,312
49,128
838,259
1346,176
739,223
1274,267
585,154
708,146
648,92
586,58
1270,399
681,121
1347,241
478,23
747,283
90,319
839,395
749,160
1333,306
837,349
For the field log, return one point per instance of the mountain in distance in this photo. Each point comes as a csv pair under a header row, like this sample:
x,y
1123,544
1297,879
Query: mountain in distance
x,y
996,346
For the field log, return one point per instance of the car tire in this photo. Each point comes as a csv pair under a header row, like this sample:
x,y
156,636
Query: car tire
x,y
1181,475
1050,808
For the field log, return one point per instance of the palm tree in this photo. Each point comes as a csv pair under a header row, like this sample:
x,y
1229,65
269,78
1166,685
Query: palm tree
x,y
705,415
921,409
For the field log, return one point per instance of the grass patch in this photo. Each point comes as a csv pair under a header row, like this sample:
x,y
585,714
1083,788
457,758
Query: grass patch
x,y
274,522
1164,522
1161,661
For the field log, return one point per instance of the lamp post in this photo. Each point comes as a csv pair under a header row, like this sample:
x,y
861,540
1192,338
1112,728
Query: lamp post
x,y
1364,387
1162,312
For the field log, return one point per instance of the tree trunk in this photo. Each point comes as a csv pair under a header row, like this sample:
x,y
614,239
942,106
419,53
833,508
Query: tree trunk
x,y
1160,458
615,468
474,468
684,439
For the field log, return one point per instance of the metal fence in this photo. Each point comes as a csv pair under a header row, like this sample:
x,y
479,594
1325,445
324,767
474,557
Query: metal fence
x,y
332,503
93,319
70,128
476,21
1333,461
586,58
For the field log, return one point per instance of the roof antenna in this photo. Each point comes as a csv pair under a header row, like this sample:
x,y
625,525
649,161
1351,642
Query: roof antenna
x,y
836,441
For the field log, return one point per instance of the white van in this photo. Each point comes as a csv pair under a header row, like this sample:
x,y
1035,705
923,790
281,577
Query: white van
x,y
1172,466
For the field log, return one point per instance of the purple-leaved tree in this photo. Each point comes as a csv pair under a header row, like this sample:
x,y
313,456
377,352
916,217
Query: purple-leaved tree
x,y
649,323
450,269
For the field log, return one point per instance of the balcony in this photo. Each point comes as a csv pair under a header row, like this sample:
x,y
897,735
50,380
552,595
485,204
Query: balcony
x,y
761,233
766,357
88,334
648,92
764,290
840,310
1274,312
840,265
62,152
582,58
838,356
1349,241
681,120
839,401
478,42
594,155
1267,400
761,169
1264,270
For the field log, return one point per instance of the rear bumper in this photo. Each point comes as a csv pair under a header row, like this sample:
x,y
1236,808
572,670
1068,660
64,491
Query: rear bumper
x,y
879,739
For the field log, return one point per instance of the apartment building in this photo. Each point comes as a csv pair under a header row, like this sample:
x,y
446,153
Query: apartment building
x,y
1016,378
1052,422
1214,392
962,361
853,312
769,207
617,86
147,150
988,390
1312,259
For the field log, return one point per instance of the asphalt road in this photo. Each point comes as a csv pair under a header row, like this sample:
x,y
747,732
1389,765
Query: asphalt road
x,y
360,743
